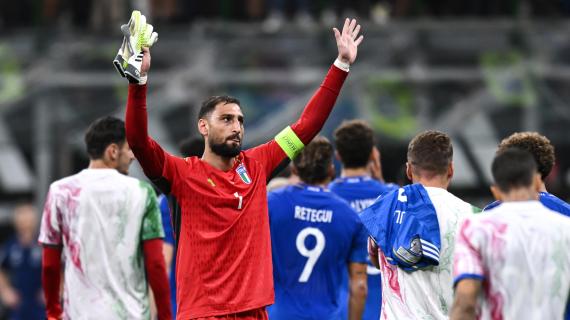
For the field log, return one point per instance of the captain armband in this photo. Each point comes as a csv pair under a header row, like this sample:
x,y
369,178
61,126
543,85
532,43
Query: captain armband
x,y
289,142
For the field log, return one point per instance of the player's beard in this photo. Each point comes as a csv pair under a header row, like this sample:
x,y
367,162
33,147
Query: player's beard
x,y
225,149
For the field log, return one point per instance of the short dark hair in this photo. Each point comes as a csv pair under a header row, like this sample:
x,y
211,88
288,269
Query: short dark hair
x,y
193,146
314,161
513,168
430,151
103,132
538,145
354,141
210,104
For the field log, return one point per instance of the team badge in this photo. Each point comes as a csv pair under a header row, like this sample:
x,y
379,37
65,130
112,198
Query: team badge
x,y
411,255
243,174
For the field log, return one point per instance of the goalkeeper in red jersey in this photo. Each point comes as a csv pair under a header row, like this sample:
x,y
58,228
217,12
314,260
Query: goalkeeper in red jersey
x,y
224,253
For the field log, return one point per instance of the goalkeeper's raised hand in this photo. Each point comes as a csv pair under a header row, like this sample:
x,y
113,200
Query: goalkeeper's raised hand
x,y
137,35
348,40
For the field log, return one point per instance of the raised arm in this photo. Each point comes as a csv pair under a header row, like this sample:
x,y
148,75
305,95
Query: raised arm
x,y
149,153
320,106
292,139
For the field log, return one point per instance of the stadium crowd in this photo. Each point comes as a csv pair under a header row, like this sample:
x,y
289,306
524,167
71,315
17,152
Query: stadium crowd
x,y
101,14
237,244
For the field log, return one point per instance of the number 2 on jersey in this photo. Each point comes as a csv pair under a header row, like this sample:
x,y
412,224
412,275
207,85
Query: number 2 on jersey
x,y
312,254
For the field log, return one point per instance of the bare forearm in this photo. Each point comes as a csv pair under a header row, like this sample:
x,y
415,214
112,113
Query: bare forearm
x,y
463,312
358,290
465,301
356,305
4,283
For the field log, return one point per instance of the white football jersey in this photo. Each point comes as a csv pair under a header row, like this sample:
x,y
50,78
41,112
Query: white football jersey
x,y
101,218
427,293
521,252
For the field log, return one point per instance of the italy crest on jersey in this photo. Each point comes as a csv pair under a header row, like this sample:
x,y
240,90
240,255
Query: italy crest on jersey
x,y
243,174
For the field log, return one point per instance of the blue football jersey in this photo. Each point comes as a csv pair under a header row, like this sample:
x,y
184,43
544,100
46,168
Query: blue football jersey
x,y
314,235
361,192
549,200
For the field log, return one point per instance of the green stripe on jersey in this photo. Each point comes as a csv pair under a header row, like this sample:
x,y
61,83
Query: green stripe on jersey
x,y
152,221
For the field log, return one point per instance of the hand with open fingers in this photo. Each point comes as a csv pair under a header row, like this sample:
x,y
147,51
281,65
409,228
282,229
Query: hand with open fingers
x,y
348,40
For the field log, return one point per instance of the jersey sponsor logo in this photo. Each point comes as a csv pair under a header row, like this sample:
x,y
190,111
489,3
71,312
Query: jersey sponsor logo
x,y
313,215
243,174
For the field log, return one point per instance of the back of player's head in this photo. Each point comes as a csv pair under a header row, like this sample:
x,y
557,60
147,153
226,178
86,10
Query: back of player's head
x,y
354,140
210,104
103,132
193,146
313,164
538,145
513,168
430,152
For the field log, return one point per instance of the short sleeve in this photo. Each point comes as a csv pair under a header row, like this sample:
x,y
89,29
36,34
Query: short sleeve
x,y
467,259
50,229
359,249
152,221
166,219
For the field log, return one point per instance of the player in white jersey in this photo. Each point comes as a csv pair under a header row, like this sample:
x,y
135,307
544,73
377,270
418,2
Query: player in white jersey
x,y
423,290
109,228
513,261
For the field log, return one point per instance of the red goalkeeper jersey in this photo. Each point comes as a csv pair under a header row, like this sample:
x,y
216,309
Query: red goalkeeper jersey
x,y
224,253
224,248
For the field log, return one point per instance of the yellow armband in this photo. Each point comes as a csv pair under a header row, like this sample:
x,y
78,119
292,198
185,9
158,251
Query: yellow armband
x,y
289,142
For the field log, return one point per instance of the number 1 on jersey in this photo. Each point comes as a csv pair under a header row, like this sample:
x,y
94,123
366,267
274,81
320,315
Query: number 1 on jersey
x,y
240,200
313,254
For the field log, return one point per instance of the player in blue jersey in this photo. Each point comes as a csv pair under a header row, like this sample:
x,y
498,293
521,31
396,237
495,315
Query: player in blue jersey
x,y
359,185
316,237
543,152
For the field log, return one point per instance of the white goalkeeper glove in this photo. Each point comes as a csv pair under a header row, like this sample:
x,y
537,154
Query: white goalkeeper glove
x,y
137,34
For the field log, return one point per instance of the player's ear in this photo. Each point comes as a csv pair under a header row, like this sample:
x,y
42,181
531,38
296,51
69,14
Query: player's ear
x,y
450,170
331,172
409,171
497,194
537,182
203,127
112,151
374,154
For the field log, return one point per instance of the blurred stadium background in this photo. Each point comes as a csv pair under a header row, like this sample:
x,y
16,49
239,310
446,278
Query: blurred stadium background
x,y
477,69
